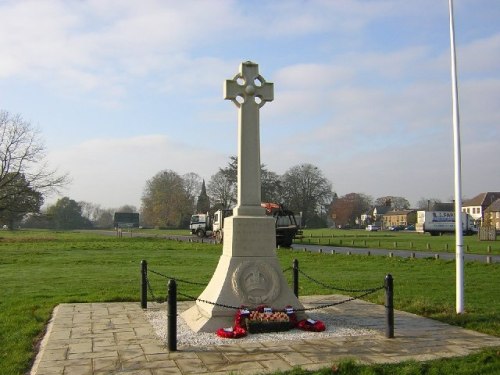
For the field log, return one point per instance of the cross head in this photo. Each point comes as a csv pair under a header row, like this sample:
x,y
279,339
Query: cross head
x,y
248,86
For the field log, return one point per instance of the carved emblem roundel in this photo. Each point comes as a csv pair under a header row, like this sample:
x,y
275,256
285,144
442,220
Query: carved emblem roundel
x,y
256,283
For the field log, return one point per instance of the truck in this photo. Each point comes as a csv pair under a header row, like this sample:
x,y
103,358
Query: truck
x,y
440,222
286,224
209,225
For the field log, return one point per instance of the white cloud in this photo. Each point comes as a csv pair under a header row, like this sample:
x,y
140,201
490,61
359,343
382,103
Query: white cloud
x,y
113,172
481,56
99,46
313,76
362,88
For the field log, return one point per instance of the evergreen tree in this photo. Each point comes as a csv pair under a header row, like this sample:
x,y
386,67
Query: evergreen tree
x,y
67,214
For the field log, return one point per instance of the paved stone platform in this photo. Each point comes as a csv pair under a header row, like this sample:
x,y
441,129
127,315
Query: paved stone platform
x,y
116,338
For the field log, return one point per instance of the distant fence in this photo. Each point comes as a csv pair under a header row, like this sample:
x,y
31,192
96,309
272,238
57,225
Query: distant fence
x,y
487,234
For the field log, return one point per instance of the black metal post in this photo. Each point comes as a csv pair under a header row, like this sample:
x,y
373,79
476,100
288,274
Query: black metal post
x,y
296,278
144,284
172,316
389,306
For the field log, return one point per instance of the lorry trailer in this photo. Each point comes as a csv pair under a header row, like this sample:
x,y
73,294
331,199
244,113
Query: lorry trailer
x,y
441,222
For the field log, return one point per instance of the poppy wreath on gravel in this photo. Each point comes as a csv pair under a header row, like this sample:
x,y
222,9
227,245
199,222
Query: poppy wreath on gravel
x,y
311,325
231,333
264,319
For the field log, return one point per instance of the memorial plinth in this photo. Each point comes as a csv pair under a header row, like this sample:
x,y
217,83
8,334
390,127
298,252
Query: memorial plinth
x,y
248,272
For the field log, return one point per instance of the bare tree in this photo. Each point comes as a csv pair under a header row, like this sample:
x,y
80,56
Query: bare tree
x,y
427,203
102,217
105,219
231,171
306,190
165,202
270,185
90,211
345,210
192,185
221,190
22,156
396,203
270,181
127,208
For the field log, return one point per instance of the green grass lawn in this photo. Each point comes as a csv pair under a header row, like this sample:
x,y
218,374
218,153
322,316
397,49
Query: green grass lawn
x,y
40,269
403,240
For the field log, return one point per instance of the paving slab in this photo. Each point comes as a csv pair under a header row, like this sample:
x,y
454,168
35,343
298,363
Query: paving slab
x,y
117,338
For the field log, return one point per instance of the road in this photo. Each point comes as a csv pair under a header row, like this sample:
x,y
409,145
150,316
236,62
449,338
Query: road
x,y
395,253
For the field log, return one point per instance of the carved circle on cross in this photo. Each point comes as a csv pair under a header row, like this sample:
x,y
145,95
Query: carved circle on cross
x,y
249,89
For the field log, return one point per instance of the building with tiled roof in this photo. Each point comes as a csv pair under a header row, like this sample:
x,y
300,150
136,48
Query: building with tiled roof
x,y
492,214
399,218
477,205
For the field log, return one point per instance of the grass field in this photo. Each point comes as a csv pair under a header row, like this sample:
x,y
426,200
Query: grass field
x,y
40,269
405,240
402,240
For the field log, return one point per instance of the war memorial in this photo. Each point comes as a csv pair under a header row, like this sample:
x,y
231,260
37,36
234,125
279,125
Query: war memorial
x,y
118,338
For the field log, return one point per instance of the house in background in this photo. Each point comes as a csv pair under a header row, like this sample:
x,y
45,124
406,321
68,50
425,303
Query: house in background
x,y
374,215
399,218
378,214
492,215
477,205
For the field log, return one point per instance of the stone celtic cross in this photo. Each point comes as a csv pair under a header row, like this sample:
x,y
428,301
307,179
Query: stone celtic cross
x,y
249,91
249,272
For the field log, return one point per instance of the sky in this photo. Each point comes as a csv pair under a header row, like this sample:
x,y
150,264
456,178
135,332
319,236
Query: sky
x,y
122,89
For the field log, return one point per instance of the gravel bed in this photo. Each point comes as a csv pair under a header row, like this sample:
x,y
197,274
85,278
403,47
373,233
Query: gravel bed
x,y
186,337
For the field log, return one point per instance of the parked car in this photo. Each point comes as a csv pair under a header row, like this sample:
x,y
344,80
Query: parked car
x,y
397,227
372,228
410,227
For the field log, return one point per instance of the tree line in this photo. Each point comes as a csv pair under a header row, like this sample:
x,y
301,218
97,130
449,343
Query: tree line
x,y
168,199
24,175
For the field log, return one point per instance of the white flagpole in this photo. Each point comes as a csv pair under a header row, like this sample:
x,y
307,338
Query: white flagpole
x,y
459,241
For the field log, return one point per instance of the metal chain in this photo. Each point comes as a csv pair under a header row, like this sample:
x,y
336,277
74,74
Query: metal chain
x,y
178,280
191,298
210,303
336,288
150,288
340,302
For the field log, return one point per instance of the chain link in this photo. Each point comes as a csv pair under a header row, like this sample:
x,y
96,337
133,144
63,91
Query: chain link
x,y
178,280
337,288
150,289
191,298
340,302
